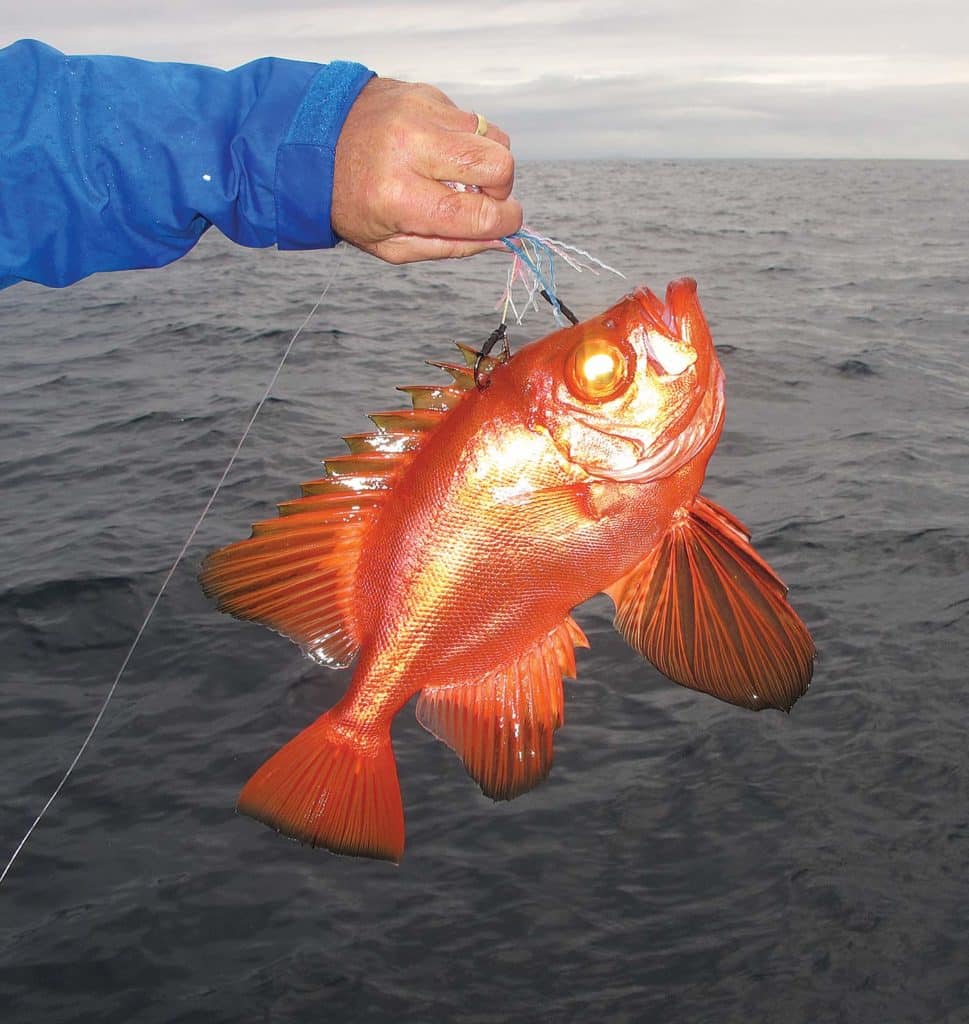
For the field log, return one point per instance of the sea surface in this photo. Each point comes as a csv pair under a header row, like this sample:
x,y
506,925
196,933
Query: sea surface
x,y
687,861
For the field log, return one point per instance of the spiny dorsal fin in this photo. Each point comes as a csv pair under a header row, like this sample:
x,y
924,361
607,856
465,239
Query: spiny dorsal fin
x,y
501,726
401,432
472,356
429,396
390,442
463,376
412,421
296,573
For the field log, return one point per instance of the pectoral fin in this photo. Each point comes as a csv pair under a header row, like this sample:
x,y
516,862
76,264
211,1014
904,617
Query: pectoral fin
x,y
710,613
501,726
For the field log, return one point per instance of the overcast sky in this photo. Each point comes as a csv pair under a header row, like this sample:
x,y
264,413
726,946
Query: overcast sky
x,y
739,78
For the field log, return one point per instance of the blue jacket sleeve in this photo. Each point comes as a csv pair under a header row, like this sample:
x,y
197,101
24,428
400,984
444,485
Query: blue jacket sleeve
x,y
109,163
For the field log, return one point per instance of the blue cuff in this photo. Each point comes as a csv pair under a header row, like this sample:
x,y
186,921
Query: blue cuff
x,y
304,162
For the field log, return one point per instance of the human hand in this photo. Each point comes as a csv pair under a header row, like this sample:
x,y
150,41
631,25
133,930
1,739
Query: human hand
x,y
399,144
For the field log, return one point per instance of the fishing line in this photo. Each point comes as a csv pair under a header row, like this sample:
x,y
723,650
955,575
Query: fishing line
x,y
534,265
171,572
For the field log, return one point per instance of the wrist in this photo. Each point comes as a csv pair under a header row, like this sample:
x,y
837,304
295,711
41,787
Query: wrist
x,y
305,160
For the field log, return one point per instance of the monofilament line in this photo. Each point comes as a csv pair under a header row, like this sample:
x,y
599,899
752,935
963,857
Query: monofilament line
x,y
171,572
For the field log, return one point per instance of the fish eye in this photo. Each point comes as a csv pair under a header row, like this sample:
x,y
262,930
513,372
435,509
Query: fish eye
x,y
597,370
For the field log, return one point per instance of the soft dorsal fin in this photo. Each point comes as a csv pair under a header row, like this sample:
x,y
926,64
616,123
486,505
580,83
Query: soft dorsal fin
x,y
710,613
501,726
296,573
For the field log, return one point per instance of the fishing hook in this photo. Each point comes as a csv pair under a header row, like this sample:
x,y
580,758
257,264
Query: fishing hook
x,y
498,335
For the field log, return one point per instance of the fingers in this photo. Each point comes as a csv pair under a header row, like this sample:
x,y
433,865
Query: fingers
x,y
427,103
398,146
482,160
456,154
456,120
493,132
435,211
411,249
470,160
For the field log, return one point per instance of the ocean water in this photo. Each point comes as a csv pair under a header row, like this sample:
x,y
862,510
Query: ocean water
x,y
686,860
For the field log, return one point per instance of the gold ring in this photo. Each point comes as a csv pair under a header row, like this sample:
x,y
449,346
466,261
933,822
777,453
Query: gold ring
x,y
482,126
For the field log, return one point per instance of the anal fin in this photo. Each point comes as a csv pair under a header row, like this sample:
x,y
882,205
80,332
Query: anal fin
x,y
710,613
502,726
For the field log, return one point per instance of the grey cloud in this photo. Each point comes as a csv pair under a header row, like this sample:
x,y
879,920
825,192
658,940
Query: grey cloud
x,y
615,78
647,117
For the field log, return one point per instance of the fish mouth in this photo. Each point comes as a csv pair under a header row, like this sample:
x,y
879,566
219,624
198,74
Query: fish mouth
x,y
674,318
658,312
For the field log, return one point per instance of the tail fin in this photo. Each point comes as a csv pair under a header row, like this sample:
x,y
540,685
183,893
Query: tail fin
x,y
326,788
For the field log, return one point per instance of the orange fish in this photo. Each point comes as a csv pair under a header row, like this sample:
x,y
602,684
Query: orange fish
x,y
448,549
